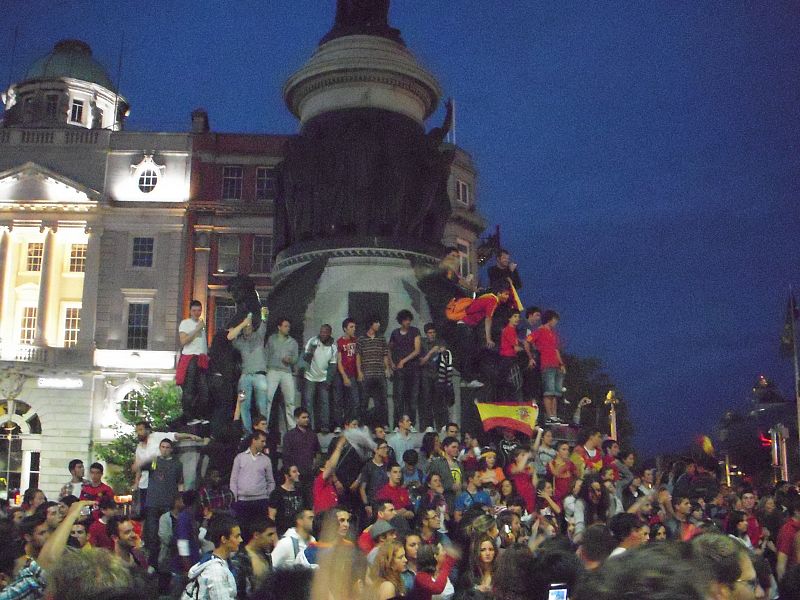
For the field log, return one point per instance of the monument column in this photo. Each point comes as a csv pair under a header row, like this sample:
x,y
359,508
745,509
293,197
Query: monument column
x,y
91,278
44,286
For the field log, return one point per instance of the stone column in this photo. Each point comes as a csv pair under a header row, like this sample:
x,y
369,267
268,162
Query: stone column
x,y
202,255
91,278
44,287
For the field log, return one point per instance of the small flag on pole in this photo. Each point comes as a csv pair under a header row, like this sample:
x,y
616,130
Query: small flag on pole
x,y
512,415
787,336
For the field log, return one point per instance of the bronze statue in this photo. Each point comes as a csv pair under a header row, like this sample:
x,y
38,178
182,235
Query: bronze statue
x,y
362,17
364,173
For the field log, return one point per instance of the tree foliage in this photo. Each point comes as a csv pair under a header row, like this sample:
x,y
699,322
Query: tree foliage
x,y
587,377
159,405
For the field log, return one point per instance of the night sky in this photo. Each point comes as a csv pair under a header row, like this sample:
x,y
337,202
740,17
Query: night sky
x,y
641,159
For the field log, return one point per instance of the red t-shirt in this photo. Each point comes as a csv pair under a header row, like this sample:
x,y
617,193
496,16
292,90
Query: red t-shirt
x,y
98,536
482,307
508,341
325,495
347,350
396,495
524,486
609,462
785,541
547,343
91,492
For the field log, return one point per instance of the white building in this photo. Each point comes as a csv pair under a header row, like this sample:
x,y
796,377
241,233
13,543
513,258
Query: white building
x,y
91,229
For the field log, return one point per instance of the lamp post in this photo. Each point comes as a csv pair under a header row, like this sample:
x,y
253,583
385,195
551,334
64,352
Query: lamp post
x,y
611,401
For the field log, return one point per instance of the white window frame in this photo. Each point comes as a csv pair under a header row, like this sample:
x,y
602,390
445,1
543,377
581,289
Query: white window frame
x,y
65,306
26,258
238,182
235,236
269,254
79,105
463,192
264,174
19,328
149,178
464,258
138,296
130,253
68,255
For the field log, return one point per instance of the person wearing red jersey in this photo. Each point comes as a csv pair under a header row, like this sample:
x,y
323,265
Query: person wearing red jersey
x,y
326,486
396,493
510,383
551,363
347,400
563,471
96,490
587,455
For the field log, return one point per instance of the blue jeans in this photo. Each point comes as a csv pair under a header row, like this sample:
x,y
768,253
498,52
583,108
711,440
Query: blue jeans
x,y
347,402
319,419
553,380
248,383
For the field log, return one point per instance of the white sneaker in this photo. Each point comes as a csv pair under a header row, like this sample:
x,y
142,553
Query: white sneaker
x,y
194,422
338,430
474,384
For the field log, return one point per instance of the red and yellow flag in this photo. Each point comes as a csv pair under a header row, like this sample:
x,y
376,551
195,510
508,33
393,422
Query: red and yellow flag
x,y
513,415
513,297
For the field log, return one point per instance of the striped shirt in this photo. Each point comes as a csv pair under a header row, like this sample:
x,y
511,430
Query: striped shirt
x,y
372,352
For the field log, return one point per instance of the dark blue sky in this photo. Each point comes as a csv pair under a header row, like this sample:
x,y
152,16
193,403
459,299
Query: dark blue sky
x,y
641,159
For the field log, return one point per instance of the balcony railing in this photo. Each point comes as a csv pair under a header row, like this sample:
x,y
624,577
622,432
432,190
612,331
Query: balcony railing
x,y
45,355
13,136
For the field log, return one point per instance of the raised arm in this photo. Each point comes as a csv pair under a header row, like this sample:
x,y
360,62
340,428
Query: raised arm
x,y
56,543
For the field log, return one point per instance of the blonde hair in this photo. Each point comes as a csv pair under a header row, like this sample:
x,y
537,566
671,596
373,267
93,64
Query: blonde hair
x,y
382,567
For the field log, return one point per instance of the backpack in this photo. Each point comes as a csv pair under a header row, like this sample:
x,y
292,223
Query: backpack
x,y
456,309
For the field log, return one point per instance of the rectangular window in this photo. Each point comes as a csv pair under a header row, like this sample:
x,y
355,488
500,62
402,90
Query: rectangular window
x,y
51,107
34,258
463,192
76,114
262,254
224,311
27,327
266,184
72,325
463,258
228,254
77,258
142,252
138,325
231,183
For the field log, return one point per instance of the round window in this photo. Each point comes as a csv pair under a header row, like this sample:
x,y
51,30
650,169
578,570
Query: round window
x,y
148,180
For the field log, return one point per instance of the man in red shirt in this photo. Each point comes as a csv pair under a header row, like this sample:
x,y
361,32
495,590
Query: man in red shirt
x,y
347,402
787,540
96,490
327,488
396,493
98,534
547,343
481,309
510,382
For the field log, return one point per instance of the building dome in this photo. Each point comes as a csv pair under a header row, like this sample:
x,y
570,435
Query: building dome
x,y
70,58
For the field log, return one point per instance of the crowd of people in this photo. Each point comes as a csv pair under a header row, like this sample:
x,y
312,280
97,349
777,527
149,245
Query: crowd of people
x,y
385,512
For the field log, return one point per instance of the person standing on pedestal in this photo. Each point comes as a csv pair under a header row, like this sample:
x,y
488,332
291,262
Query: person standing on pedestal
x,y
405,344
320,356
282,354
253,380
347,405
192,365
372,361
504,271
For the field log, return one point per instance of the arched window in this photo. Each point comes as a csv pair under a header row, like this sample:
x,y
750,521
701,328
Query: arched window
x,y
18,468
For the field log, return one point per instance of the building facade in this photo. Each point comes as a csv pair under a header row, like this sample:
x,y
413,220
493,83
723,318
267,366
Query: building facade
x,y
106,235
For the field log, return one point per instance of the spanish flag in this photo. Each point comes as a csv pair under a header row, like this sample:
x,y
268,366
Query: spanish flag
x,y
513,297
513,415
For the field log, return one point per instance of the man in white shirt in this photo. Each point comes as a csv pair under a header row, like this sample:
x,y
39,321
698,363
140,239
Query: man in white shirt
x,y
320,356
192,365
147,450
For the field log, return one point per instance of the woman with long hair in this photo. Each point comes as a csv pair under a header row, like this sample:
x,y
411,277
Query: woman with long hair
x,y
544,490
411,544
390,562
32,499
507,491
490,472
432,494
430,449
481,564
434,564
658,533
571,498
592,506
736,527
563,471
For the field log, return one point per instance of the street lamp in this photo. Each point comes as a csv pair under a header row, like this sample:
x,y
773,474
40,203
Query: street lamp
x,y
612,401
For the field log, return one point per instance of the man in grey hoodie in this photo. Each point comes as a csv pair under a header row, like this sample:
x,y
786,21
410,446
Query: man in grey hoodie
x,y
211,579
